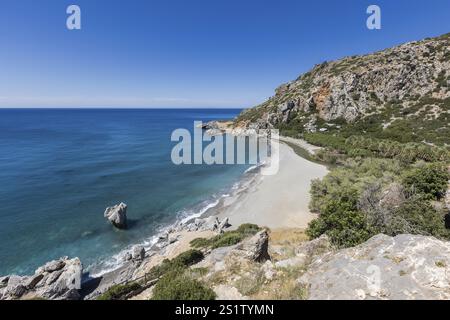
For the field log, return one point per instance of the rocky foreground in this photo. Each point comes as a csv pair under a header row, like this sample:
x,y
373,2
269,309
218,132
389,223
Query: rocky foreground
x,y
56,280
279,265
402,267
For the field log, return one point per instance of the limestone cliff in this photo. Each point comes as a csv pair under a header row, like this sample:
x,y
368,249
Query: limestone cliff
x,y
411,80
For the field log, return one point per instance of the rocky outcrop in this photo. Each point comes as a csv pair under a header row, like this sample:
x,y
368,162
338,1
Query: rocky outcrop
x,y
401,267
56,280
138,253
226,292
117,215
223,225
305,253
255,248
210,223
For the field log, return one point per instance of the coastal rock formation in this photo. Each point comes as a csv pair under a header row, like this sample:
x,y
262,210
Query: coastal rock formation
x,y
412,78
223,225
210,223
255,248
117,215
57,280
306,252
401,267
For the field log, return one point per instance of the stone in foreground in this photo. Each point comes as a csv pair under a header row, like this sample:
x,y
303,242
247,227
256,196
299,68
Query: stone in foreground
x,y
117,215
393,268
56,280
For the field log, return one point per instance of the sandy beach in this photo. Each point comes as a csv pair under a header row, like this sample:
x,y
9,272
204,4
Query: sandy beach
x,y
280,200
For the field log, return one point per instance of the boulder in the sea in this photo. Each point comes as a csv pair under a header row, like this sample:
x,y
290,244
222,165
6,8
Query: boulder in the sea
x,y
117,215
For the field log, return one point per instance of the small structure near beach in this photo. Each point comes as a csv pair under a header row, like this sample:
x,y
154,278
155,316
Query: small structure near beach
x,y
117,215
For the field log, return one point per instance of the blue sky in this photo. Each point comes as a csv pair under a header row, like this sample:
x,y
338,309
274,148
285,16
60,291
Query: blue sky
x,y
181,53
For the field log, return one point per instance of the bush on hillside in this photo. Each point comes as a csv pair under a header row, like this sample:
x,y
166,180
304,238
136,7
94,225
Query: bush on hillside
x,y
179,286
342,222
181,262
417,216
118,292
430,179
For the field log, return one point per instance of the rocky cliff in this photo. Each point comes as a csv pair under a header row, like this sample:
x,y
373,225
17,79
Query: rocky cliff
x,y
410,81
56,280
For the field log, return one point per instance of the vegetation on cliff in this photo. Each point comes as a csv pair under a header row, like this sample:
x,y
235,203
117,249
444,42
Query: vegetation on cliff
x,y
383,120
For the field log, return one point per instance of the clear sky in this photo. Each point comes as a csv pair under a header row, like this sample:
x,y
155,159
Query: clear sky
x,y
188,53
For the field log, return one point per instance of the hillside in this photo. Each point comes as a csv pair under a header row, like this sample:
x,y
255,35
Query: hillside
x,y
402,93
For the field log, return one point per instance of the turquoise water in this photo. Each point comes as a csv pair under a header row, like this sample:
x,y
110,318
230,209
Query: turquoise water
x,y
60,169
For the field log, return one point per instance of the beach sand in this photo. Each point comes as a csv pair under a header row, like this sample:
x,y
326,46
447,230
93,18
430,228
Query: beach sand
x,y
280,200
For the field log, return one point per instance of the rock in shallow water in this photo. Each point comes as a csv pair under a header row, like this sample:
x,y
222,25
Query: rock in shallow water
x,y
117,215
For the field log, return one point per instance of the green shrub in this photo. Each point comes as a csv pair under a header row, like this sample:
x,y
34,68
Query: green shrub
x,y
429,179
189,258
200,243
226,240
344,224
182,261
417,216
248,229
118,292
179,286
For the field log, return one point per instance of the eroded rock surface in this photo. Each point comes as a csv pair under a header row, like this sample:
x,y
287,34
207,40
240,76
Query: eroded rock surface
x,y
117,215
57,280
401,267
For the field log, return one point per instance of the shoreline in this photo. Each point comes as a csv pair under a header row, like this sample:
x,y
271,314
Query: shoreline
x,y
255,199
281,200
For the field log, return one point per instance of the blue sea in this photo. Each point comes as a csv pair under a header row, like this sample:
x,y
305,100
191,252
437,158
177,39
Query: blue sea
x,y
60,169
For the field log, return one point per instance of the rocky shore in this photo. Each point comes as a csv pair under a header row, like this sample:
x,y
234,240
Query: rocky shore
x,y
63,279
56,280
246,205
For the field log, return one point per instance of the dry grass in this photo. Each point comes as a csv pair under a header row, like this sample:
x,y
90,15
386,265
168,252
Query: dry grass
x,y
283,242
287,236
